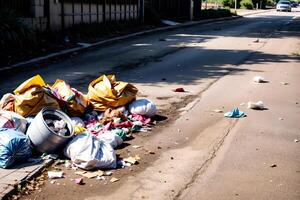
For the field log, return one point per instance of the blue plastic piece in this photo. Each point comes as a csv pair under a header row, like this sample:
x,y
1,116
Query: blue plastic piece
x,y
235,113
14,147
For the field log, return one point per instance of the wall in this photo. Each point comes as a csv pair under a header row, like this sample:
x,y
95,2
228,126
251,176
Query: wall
x,y
76,13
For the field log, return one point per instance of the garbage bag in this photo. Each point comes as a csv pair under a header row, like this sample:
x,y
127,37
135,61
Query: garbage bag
x,y
72,101
142,107
12,120
14,147
110,137
7,102
105,92
32,95
88,152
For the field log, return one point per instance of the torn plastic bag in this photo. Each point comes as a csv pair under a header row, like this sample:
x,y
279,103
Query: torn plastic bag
x,y
235,113
7,102
12,120
14,147
72,101
142,107
32,95
105,92
88,152
110,137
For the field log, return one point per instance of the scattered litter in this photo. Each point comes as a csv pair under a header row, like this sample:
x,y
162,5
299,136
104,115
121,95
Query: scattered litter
x,y
53,181
136,146
132,160
54,174
79,181
259,79
235,113
256,41
113,179
151,152
178,130
68,164
280,118
84,44
90,175
108,173
284,83
179,90
256,106
218,111
296,140
274,165
100,178
169,23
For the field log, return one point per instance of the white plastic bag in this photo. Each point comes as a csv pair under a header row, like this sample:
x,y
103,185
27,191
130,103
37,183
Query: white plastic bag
x,y
113,139
76,121
256,105
88,152
258,79
10,119
143,107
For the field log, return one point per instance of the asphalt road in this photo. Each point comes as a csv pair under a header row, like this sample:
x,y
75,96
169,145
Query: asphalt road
x,y
202,155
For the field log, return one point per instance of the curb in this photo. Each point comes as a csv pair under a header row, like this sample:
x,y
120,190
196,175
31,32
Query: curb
x,y
117,39
11,189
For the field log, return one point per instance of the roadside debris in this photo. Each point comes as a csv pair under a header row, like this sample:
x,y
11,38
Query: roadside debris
x,y
274,165
132,160
235,113
113,179
136,146
55,174
179,90
296,140
79,181
256,41
169,23
284,83
218,111
90,175
51,120
256,105
259,79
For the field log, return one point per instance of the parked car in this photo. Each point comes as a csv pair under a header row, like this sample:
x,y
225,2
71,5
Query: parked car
x,y
294,4
284,6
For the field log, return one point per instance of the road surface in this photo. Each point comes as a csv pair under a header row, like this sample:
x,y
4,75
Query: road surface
x,y
199,154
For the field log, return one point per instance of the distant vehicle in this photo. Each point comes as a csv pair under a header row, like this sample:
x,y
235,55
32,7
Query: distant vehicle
x,y
294,4
284,6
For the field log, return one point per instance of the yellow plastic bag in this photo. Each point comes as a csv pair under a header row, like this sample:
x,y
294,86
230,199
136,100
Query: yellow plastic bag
x,y
31,96
79,129
34,81
105,92
73,101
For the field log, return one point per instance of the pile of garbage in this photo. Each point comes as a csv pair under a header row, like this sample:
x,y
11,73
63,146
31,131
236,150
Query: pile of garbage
x,y
58,119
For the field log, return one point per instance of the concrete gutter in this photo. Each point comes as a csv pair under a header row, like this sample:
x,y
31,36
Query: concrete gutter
x,y
11,189
117,39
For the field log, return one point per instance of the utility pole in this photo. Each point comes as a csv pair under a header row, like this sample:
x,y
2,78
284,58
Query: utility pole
x,y
235,5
